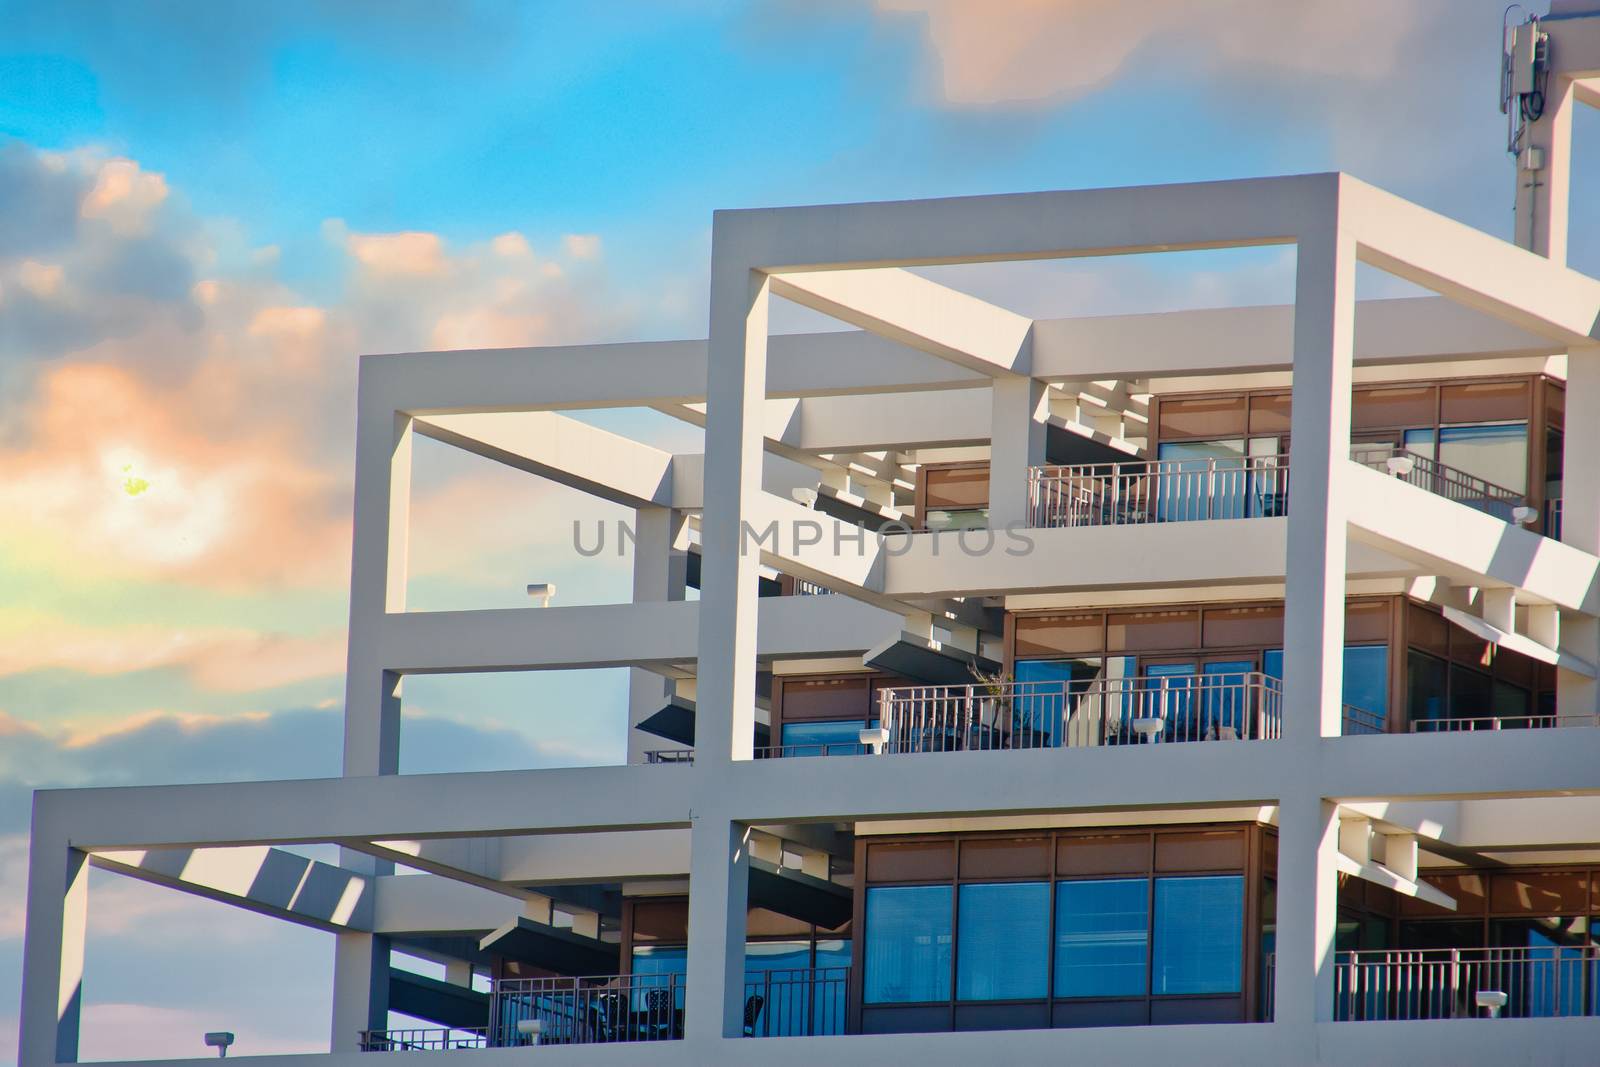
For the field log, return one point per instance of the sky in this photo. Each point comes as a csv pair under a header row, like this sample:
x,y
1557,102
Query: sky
x,y
207,211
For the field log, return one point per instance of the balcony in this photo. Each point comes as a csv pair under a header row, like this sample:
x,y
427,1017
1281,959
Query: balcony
x,y
606,1009
1247,487
1064,714
1462,983
1501,722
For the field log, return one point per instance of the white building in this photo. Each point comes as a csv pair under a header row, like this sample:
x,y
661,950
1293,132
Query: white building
x,y
1135,740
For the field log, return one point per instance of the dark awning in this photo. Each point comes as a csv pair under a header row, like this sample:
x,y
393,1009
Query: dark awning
x,y
552,948
675,722
799,896
438,1002
930,662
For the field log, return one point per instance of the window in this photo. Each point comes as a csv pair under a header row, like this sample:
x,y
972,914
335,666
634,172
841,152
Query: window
x,y
1366,678
1004,938
823,738
661,967
1199,935
1101,934
1497,454
907,947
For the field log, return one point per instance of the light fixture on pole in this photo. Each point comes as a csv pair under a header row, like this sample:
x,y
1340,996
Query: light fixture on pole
x,y
805,496
543,592
1492,999
219,1040
530,1029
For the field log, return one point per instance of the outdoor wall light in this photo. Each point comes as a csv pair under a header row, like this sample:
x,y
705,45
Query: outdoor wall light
x,y
530,1029
804,496
543,592
1523,515
1493,999
1400,466
219,1040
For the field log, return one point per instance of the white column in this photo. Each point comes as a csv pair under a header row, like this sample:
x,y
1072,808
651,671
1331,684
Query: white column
x,y
372,694
1314,619
1018,410
1580,520
360,989
736,371
52,948
659,569
1307,903
719,871
1313,624
1543,195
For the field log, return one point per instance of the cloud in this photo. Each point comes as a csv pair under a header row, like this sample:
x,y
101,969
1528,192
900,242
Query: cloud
x,y
582,245
1037,52
216,659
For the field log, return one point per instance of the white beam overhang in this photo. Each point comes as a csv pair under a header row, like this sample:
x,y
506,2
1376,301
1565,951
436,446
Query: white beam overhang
x,y
562,449
1470,266
1519,643
1465,545
647,634
269,881
921,314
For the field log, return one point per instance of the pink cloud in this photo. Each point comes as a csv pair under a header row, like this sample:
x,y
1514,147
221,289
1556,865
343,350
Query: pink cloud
x,y
1047,51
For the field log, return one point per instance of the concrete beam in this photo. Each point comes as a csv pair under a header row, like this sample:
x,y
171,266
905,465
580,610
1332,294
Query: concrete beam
x,y
920,314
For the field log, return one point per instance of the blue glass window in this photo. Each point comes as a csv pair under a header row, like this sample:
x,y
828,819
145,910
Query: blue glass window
x,y
837,738
1004,934
1366,678
661,966
1199,935
1366,675
907,947
1101,933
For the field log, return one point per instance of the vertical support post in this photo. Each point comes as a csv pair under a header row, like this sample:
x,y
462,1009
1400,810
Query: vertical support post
x,y
384,440
1308,849
660,566
1580,521
719,887
736,385
1019,408
53,944
736,369
360,989
1313,625
1543,195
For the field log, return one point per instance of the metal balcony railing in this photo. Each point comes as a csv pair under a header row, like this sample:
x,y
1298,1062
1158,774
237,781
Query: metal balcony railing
x,y
424,1040
1459,983
588,1010
1148,491
1066,714
669,755
1361,721
804,1002
1501,722
1552,518
1245,487
1441,480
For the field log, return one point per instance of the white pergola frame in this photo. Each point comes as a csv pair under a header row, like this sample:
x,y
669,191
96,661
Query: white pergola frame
x,y
1333,220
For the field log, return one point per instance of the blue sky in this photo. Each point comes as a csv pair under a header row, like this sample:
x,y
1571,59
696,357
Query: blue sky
x,y
207,210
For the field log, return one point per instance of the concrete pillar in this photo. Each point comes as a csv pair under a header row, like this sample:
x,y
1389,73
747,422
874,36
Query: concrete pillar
x,y
458,973
1313,625
1018,410
719,884
1543,194
1308,849
660,565
1500,608
1580,520
384,440
52,948
360,989
735,392
377,583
